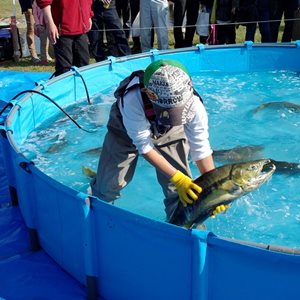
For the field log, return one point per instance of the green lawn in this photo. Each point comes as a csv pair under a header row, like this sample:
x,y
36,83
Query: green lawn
x,y
26,65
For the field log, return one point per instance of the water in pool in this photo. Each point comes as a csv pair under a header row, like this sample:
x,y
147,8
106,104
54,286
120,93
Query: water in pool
x,y
256,114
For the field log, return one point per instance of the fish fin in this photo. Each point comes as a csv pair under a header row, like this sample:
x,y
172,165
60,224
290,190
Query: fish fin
x,y
231,187
93,151
88,172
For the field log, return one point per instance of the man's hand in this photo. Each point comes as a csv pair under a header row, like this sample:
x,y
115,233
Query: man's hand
x,y
52,32
188,191
51,27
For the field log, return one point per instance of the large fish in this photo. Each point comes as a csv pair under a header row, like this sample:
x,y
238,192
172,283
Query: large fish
x,y
222,186
253,152
279,105
238,154
286,168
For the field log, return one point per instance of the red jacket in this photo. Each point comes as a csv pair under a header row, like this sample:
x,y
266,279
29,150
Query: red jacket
x,y
70,16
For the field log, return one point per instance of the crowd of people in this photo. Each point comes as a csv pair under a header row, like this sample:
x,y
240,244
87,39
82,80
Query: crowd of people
x,y
105,26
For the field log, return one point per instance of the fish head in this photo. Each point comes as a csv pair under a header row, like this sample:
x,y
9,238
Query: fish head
x,y
250,175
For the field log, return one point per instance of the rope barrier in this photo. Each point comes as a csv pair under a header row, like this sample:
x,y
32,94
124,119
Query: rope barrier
x,y
188,26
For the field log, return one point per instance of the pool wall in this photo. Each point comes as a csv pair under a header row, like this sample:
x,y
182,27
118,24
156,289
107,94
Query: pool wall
x,y
118,254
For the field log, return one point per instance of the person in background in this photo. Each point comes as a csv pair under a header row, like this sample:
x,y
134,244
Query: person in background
x,y
281,8
179,13
249,13
160,116
154,13
26,7
123,10
192,11
225,27
106,17
296,25
67,23
41,32
207,5
134,10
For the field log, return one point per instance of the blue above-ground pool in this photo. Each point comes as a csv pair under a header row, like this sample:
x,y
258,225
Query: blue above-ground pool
x,y
122,254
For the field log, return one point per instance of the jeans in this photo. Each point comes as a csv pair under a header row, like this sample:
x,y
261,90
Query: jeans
x,y
108,19
154,12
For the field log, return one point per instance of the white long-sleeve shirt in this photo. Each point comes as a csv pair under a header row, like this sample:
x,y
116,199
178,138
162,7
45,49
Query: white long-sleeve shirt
x,y
138,126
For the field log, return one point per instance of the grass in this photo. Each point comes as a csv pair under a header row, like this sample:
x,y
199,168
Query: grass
x,y
25,63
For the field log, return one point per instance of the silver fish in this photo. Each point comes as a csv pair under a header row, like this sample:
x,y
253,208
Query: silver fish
x,y
278,105
286,168
238,154
253,152
222,186
94,151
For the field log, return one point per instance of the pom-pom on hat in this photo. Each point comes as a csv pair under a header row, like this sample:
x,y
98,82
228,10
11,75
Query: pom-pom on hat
x,y
171,92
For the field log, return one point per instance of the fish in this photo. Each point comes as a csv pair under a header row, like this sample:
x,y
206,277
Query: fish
x,y
278,104
238,154
57,146
286,168
253,152
93,151
88,172
222,186
59,143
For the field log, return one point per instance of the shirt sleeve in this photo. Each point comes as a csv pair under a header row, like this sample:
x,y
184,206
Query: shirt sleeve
x,y
43,3
197,133
135,121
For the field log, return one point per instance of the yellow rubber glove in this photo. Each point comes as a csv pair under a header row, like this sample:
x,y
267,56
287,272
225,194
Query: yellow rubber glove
x,y
186,188
219,209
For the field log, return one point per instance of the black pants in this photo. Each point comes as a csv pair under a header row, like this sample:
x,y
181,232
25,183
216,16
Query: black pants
x,y
225,34
287,8
179,12
192,9
71,50
264,27
123,10
25,4
108,19
134,9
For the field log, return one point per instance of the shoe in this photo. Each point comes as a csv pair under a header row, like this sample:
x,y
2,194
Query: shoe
x,y
35,59
49,59
44,62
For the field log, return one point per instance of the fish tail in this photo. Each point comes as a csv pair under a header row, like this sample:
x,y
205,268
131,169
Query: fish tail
x,y
88,172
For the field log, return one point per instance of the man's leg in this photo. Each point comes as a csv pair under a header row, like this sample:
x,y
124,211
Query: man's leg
x,y
175,149
146,25
81,54
30,35
117,161
160,13
63,54
114,26
179,11
192,9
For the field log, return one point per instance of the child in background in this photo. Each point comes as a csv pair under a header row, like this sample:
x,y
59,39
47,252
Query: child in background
x,y
26,7
41,32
